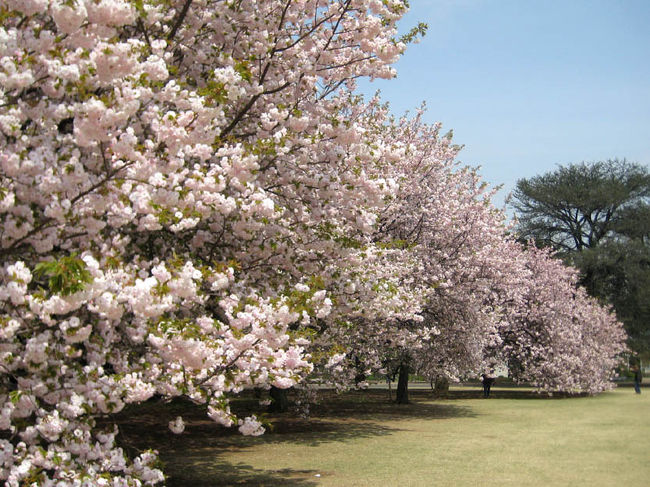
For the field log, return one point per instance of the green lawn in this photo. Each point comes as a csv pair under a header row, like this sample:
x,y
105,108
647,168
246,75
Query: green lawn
x,y
360,439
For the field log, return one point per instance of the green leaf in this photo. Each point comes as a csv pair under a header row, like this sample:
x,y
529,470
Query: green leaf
x,y
66,276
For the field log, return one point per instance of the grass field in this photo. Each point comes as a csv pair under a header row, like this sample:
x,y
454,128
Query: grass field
x,y
360,439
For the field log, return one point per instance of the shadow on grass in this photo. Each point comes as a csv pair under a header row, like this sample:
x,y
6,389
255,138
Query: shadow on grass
x,y
193,457
505,392
337,418
203,471
375,405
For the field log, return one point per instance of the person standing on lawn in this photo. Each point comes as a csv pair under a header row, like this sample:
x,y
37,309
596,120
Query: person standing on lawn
x,y
637,378
487,384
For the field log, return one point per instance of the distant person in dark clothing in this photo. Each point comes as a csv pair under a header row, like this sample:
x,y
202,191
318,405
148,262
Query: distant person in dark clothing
x,y
637,378
487,384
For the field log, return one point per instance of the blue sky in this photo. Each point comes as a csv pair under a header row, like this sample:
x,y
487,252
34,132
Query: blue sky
x,y
527,85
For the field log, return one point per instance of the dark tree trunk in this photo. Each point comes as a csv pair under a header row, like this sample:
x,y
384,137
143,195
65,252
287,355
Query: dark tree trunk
x,y
279,400
441,386
360,375
403,384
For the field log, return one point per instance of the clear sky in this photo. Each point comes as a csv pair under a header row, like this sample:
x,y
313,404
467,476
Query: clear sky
x,y
527,85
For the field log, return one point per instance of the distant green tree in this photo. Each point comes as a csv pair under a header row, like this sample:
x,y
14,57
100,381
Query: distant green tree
x,y
577,206
619,273
597,216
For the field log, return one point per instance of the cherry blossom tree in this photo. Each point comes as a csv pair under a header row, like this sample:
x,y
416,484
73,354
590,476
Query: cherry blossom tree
x,y
475,282
442,213
174,179
557,337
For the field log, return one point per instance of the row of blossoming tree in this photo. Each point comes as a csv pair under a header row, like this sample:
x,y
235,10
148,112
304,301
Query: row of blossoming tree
x,y
194,202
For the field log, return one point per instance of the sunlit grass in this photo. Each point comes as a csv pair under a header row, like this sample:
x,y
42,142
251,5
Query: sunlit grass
x,y
513,438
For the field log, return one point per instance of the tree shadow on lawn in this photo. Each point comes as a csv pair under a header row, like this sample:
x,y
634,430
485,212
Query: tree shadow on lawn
x,y
376,405
192,458
508,392
204,471
333,420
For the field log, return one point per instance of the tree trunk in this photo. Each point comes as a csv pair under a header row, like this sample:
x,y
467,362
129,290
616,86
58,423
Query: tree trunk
x,y
442,386
360,375
279,400
403,384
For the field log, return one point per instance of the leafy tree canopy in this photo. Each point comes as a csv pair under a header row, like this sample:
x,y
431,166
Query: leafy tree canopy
x,y
578,205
